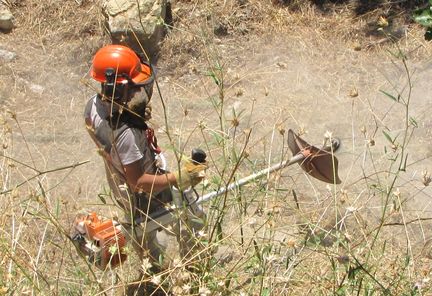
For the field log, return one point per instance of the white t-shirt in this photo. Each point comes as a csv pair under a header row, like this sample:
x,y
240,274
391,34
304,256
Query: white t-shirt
x,y
128,145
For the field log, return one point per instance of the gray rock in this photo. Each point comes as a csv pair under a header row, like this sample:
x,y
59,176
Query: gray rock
x,y
135,22
6,18
6,56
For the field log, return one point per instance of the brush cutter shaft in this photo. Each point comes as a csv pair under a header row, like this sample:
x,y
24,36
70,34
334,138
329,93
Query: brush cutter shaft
x,y
166,216
297,158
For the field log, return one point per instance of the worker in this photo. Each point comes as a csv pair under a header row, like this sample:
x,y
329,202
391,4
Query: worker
x,y
117,120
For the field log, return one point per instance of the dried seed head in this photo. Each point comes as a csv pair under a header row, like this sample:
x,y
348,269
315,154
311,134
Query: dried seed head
x,y
357,46
382,22
185,276
281,65
239,92
271,258
252,222
235,122
202,125
12,114
353,93
344,195
271,223
281,129
201,234
193,69
146,265
371,142
186,288
291,243
157,279
100,151
302,131
247,131
397,193
204,291
426,178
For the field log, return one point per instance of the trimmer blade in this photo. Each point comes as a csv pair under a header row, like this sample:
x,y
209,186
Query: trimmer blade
x,y
319,163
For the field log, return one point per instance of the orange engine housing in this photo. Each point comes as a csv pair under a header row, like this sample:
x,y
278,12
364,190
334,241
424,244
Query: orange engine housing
x,y
102,241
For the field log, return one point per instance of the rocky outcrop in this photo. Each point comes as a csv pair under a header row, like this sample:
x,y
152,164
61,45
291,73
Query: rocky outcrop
x,y
136,23
6,18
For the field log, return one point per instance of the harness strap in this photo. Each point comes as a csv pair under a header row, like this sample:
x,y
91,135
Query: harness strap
x,y
152,141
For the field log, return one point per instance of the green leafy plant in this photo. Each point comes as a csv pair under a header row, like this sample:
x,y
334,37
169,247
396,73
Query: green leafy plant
x,y
423,17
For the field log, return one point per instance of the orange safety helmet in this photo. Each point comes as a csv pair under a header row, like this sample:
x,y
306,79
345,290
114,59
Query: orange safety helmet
x,y
124,62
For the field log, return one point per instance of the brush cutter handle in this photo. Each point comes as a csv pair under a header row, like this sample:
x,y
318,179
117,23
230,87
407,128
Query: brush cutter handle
x,y
165,216
198,155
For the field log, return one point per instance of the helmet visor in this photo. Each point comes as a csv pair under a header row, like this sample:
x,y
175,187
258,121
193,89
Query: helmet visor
x,y
144,74
147,83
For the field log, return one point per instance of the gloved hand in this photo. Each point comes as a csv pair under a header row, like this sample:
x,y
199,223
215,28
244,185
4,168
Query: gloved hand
x,y
191,173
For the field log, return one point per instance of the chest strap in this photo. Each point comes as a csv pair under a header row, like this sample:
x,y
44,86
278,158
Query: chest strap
x,y
152,140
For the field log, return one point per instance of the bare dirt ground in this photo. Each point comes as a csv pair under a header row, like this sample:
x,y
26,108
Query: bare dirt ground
x,y
298,79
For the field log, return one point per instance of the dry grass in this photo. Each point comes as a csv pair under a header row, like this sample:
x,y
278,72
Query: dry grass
x,y
333,241
199,26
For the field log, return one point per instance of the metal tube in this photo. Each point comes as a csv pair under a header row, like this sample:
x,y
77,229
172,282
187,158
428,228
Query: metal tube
x,y
165,216
297,158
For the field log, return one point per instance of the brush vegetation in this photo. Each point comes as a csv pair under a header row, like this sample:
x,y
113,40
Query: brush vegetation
x,y
285,234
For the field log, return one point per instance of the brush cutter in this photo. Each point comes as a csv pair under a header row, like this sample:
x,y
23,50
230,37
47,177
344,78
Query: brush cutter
x,y
320,163
102,241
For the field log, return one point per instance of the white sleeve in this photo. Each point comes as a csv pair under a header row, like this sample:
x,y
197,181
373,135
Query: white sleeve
x,y
127,149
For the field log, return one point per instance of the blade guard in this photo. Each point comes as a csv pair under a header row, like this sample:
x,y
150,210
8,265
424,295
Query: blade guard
x,y
319,163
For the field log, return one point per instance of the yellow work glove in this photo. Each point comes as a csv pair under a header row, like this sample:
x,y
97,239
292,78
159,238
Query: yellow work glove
x,y
190,174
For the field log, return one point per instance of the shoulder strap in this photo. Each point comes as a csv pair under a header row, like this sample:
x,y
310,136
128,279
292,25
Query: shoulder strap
x,y
103,135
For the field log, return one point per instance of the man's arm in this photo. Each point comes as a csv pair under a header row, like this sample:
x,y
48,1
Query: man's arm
x,y
147,182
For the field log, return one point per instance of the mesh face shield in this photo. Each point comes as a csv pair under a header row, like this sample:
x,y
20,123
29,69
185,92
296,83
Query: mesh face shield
x,y
140,95
134,97
139,103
